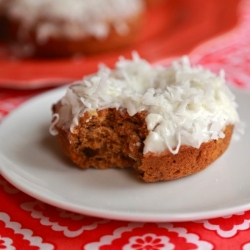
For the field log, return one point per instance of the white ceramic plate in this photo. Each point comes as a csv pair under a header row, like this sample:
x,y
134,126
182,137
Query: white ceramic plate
x,y
32,161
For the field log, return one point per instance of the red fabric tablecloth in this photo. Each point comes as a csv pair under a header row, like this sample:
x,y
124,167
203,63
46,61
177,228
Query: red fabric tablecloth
x,y
26,223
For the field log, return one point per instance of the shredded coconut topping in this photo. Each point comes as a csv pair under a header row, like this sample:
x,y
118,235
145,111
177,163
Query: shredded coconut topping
x,y
73,18
186,105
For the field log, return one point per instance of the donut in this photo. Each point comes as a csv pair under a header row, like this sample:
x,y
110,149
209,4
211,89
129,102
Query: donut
x,y
3,23
164,122
61,28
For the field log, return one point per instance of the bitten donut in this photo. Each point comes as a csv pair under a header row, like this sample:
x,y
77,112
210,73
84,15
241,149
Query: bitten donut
x,y
165,122
56,28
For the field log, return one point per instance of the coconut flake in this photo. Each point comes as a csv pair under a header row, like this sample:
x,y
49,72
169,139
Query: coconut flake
x,y
55,119
186,105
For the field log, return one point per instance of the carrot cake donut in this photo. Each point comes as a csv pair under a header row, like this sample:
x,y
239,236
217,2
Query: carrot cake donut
x,y
165,122
53,28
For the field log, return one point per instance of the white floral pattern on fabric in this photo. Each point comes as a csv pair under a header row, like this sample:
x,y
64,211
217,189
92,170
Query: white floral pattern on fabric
x,y
44,220
6,243
246,246
181,232
27,233
149,242
230,232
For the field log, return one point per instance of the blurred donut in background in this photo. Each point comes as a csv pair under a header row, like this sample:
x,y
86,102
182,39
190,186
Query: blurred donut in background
x,y
3,24
59,28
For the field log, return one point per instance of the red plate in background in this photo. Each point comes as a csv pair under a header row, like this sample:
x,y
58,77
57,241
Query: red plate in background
x,y
173,28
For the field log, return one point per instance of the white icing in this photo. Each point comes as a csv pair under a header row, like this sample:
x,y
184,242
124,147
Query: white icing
x,y
186,105
74,18
55,119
